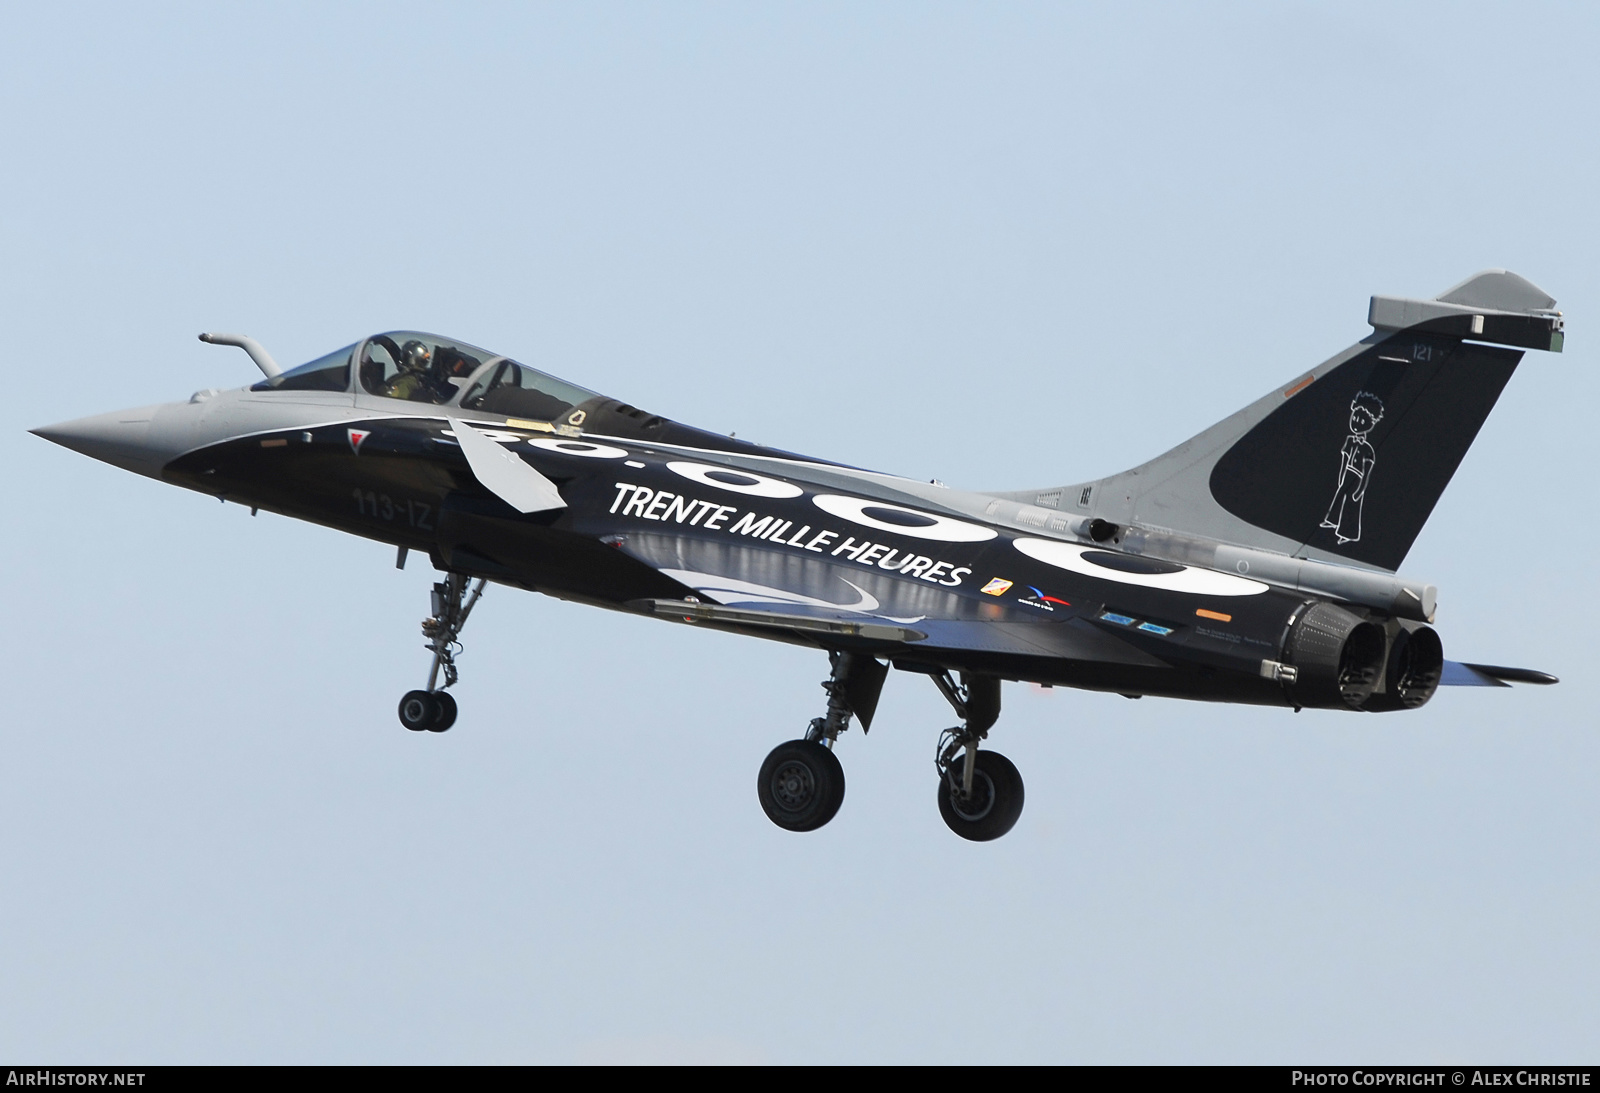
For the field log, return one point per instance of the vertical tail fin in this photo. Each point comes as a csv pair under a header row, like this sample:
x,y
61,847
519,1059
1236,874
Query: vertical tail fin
x,y
1346,462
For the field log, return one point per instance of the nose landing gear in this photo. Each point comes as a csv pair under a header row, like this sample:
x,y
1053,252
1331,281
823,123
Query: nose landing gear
x,y
434,709
428,711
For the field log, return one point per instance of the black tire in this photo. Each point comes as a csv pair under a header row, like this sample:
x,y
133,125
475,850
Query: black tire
x,y
996,801
418,710
801,785
445,703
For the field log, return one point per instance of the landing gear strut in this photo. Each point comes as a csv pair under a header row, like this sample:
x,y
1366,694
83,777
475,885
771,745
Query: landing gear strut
x,y
801,784
434,710
980,792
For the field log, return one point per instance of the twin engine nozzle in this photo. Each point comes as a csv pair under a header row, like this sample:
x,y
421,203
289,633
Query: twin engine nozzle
x,y
1342,661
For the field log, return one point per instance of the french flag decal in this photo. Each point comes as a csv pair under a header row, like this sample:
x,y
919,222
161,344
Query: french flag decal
x,y
356,437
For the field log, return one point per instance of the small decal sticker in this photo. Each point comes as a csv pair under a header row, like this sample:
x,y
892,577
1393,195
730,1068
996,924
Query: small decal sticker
x,y
996,587
1120,620
532,426
1218,615
1154,629
357,436
1041,601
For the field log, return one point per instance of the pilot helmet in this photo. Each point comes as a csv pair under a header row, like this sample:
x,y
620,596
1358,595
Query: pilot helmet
x,y
415,356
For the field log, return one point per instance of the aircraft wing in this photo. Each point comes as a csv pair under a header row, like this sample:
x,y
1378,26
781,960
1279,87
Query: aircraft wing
x,y
696,611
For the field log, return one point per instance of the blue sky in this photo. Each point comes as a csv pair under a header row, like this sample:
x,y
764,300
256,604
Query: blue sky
x,y
1002,246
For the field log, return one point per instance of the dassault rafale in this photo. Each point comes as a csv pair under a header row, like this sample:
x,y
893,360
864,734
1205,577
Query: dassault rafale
x,y
1256,562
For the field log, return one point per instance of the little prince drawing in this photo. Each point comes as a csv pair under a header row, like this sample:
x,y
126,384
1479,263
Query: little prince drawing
x,y
1356,460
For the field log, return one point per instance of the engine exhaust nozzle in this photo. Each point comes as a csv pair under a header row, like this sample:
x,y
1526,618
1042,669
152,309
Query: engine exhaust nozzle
x,y
1338,658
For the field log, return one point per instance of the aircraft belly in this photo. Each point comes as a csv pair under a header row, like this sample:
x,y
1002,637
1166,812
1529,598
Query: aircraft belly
x,y
1069,640
733,572
745,575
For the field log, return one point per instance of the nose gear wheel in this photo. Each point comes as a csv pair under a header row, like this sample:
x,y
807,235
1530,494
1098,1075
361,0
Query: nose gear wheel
x,y
433,709
421,711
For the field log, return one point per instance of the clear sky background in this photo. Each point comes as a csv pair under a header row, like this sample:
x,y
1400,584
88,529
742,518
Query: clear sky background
x,y
1005,246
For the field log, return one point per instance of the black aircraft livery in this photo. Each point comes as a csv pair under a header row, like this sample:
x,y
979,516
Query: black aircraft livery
x,y
1407,409
1254,563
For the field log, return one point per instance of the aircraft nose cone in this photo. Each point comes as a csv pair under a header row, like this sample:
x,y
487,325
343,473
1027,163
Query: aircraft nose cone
x,y
119,438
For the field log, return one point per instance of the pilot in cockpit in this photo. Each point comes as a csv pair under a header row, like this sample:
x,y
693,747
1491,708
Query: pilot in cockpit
x,y
415,379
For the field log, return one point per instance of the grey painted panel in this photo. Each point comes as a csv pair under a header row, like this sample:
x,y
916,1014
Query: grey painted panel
x,y
1173,492
1499,289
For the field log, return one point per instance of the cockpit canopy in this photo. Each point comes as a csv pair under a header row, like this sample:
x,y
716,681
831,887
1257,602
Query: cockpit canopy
x,y
425,368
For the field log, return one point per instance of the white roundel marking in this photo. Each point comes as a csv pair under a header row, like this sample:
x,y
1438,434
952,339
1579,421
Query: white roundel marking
x,y
577,447
1199,582
902,521
735,481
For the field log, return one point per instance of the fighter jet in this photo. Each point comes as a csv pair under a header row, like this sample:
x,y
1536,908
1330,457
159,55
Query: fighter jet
x,y
1256,562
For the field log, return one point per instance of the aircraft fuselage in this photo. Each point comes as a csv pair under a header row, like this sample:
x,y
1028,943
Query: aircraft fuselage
x,y
651,521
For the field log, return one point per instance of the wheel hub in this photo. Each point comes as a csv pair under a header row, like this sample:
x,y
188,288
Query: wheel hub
x,y
793,785
980,804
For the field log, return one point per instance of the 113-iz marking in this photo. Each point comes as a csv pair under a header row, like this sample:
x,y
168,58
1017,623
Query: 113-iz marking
x,y
384,507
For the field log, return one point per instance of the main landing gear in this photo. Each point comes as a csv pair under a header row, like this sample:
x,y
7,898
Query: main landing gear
x,y
434,709
980,793
801,784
